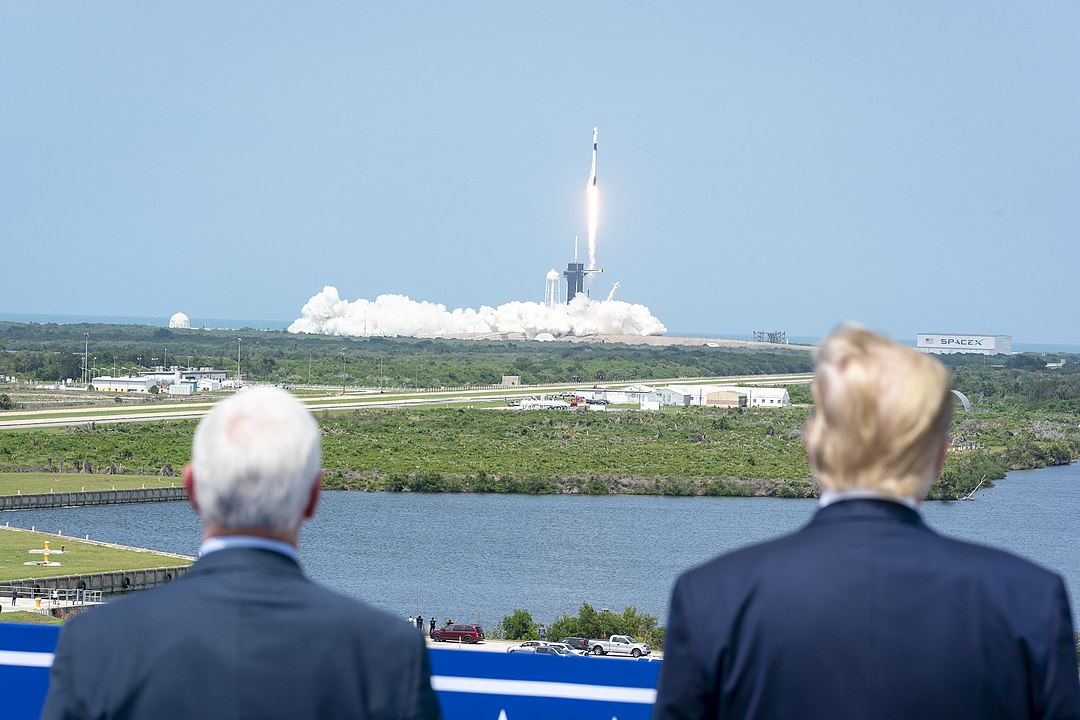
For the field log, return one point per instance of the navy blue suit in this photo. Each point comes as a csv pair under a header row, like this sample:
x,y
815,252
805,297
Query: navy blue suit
x,y
242,635
867,613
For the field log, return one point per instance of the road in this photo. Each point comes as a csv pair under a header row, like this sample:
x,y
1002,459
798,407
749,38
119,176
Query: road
x,y
52,417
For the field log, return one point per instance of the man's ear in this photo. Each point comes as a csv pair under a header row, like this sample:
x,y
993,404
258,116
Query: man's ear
x,y
189,486
313,499
942,452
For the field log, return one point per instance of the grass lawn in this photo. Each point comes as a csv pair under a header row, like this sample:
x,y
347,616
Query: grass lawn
x,y
43,483
26,617
79,557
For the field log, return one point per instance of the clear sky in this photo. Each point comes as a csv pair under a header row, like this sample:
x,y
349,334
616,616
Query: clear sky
x,y
762,165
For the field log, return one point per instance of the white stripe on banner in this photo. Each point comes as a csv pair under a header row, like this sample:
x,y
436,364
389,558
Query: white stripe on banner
x,y
25,659
539,688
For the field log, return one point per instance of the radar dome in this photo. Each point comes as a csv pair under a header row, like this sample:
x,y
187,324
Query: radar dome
x,y
180,320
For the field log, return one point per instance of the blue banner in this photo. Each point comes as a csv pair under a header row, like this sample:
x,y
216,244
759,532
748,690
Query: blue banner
x,y
470,683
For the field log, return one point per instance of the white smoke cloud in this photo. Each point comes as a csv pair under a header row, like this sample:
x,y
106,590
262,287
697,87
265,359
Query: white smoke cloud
x,y
396,315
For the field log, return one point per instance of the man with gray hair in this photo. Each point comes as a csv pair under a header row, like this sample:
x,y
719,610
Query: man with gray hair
x,y
866,612
244,634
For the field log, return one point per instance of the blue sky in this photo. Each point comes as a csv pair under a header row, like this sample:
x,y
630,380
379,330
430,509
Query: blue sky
x,y
914,166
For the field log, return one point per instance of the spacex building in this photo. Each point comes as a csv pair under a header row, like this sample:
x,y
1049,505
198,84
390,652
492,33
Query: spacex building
x,y
939,344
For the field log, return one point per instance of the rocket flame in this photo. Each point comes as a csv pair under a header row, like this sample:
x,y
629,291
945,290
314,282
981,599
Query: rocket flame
x,y
592,196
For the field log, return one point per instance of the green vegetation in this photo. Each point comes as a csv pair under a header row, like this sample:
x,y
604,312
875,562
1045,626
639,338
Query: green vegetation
x,y
25,617
518,626
691,451
47,352
79,558
21,483
589,623
1024,416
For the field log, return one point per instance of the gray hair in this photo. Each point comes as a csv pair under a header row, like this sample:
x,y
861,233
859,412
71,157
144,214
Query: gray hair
x,y
255,459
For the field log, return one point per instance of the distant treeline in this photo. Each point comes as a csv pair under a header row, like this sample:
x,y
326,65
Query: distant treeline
x,y
48,352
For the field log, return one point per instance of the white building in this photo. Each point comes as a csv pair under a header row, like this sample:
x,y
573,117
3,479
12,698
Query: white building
x,y
722,396
939,344
183,387
209,384
122,384
622,396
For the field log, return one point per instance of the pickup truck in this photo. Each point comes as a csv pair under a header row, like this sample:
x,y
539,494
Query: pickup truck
x,y
619,645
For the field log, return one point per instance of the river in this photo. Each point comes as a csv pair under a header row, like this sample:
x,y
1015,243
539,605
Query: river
x,y
471,557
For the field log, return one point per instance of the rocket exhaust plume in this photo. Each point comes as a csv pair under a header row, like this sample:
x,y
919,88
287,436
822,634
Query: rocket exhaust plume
x,y
592,201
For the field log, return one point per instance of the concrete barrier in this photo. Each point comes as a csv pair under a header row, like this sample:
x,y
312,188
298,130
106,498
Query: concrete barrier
x,y
107,583
91,497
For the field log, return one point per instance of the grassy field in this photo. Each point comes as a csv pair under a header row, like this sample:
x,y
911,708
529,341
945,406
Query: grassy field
x,y
40,483
79,557
24,617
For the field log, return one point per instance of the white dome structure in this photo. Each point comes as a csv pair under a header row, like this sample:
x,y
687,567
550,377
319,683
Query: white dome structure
x,y
180,320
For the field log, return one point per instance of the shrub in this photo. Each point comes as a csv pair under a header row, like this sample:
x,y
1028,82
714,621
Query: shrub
x,y
519,626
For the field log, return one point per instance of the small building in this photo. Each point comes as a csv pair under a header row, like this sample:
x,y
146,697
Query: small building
x,y
106,383
203,373
511,381
623,396
209,384
183,387
732,396
650,403
725,398
675,396
767,397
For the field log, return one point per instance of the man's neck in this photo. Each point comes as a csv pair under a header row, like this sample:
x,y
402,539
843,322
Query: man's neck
x,y
291,537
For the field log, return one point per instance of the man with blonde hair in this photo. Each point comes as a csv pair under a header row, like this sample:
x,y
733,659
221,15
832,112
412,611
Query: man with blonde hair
x,y
244,634
866,612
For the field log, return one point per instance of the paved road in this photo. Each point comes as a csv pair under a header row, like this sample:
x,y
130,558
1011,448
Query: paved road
x,y
367,399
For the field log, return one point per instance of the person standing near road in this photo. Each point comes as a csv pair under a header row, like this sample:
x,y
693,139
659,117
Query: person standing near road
x,y
542,631
431,626
866,613
420,623
243,633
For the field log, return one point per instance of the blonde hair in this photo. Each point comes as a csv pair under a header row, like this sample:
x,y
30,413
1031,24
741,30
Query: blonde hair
x,y
881,413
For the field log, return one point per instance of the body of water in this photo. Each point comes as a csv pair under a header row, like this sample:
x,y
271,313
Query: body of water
x,y
482,556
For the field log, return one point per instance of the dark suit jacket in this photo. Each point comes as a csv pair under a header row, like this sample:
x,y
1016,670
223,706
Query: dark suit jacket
x,y
242,635
867,613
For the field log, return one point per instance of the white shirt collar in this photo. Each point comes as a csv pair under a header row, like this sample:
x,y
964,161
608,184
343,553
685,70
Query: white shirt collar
x,y
223,542
828,497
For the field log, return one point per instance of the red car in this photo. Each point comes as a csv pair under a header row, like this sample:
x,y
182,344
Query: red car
x,y
459,633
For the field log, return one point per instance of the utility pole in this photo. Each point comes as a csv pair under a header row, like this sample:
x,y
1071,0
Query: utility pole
x,y
238,363
342,371
86,358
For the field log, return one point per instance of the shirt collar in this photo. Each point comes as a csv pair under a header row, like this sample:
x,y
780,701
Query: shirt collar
x,y
828,497
226,542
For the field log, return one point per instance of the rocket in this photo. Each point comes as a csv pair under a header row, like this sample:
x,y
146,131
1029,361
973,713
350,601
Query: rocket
x,y
592,171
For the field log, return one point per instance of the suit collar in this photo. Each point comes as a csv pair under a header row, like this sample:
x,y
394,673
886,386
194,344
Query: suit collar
x,y
243,558
867,509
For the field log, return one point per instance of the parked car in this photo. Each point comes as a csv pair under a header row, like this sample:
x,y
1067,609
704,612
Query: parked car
x,y
619,645
457,632
527,645
576,643
563,647
539,650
